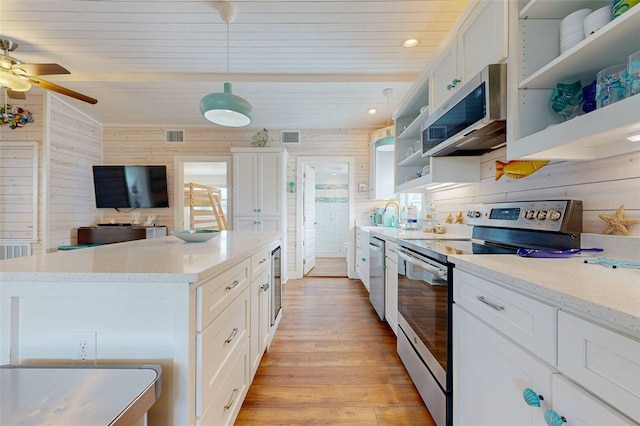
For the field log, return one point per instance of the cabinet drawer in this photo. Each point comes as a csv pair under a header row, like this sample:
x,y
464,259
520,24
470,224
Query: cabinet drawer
x,y
215,294
259,262
580,407
231,391
528,322
606,362
218,345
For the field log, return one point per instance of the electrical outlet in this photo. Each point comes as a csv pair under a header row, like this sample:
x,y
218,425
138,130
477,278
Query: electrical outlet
x,y
83,345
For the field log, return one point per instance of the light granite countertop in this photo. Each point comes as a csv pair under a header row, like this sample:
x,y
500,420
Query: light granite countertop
x,y
165,259
610,295
454,232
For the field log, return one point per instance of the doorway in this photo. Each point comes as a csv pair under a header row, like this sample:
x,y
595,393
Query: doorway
x,y
211,171
324,224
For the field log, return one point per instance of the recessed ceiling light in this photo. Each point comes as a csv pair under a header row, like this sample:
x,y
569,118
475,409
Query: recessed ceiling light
x,y
411,42
372,111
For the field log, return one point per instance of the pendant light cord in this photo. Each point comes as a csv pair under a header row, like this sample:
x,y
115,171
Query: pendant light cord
x,y
228,51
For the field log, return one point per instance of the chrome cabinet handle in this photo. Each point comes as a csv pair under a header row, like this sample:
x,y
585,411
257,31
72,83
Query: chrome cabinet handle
x,y
262,261
232,336
492,305
233,285
265,286
234,395
422,264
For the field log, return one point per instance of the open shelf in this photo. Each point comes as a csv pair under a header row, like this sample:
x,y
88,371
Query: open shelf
x,y
413,130
610,45
554,9
598,134
444,170
414,160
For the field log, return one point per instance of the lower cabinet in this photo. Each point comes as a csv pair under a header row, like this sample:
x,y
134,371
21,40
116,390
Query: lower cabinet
x,y
362,256
260,320
497,380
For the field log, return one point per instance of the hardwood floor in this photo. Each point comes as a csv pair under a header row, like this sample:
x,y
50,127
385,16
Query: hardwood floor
x,y
329,267
331,362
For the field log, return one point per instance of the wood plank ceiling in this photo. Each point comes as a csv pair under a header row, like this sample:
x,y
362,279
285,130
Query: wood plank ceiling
x,y
300,63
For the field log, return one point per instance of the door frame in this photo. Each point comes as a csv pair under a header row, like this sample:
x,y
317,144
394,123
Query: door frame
x,y
178,183
301,161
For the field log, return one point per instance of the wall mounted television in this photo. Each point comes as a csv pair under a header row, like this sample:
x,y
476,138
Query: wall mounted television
x,y
130,186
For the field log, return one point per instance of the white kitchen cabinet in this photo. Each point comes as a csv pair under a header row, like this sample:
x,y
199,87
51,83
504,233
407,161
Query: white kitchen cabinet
x,y
480,41
489,375
260,192
534,131
381,168
391,285
260,295
499,336
362,256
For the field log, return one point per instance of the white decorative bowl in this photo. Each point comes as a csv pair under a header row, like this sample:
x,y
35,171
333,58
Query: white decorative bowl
x,y
195,235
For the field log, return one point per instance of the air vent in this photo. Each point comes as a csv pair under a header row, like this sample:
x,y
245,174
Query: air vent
x,y
290,136
174,136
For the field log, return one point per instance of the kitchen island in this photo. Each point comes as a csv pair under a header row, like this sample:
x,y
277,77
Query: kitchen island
x,y
189,307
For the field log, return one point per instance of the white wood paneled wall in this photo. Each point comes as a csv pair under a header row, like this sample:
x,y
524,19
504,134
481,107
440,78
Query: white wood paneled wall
x,y
128,145
18,191
602,185
74,145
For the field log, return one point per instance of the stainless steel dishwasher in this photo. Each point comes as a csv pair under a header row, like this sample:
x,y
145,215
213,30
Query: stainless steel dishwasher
x,y
376,275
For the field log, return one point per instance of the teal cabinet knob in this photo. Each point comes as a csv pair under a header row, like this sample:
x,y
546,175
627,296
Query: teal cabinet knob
x,y
553,419
531,397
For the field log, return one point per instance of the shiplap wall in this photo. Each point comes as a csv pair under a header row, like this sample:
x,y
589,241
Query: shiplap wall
x,y
602,185
18,192
74,145
126,145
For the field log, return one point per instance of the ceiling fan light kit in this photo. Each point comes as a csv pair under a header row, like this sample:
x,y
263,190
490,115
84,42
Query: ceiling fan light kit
x,y
13,82
226,109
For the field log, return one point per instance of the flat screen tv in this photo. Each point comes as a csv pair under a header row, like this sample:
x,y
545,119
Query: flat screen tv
x,y
130,186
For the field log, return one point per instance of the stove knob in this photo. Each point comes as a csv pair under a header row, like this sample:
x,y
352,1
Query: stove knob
x,y
530,214
477,214
469,213
554,214
542,214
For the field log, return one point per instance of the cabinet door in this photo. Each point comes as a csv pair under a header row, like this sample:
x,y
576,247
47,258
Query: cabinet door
x,y
482,39
391,292
271,224
270,184
245,189
246,223
443,77
490,374
259,333
581,408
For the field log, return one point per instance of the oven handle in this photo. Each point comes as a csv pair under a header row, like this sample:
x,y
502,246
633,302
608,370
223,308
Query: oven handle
x,y
421,263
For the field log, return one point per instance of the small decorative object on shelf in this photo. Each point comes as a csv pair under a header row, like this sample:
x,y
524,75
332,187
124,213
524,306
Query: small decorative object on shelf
x,y
633,77
617,222
621,6
260,139
449,219
459,218
611,85
518,169
589,97
566,98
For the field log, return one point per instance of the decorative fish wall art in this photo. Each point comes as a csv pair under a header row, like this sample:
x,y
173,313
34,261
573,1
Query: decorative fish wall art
x,y
518,169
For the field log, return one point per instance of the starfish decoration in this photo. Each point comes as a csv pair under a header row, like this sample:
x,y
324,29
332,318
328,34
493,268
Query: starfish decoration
x,y
617,222
449,219
459,218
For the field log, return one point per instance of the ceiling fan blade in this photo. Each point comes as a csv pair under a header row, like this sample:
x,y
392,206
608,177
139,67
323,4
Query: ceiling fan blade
x,y
15,95
63,90
42,69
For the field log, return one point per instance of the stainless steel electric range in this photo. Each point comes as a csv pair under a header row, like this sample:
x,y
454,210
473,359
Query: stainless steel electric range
x,y
425,286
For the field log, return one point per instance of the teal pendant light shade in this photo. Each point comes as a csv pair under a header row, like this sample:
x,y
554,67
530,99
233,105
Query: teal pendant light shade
x,y
387,143
226,109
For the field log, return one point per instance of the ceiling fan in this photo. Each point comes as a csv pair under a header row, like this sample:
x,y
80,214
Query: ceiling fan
x,y
17,77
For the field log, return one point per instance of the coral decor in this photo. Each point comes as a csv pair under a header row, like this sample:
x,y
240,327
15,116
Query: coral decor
x,y
518,169
617,222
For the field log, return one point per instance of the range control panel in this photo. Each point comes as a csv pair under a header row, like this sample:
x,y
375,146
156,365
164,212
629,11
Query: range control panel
x,y
554,215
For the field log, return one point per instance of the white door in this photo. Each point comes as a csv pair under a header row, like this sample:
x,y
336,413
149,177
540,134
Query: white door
x,y
309,218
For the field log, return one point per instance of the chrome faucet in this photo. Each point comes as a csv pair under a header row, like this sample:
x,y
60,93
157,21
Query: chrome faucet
x,y
397,211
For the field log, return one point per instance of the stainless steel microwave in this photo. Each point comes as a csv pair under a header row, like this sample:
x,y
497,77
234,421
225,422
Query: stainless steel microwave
x,y
473,120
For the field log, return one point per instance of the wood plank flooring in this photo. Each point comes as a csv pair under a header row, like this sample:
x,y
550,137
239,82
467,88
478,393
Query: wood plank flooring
x,y
332,362
329,267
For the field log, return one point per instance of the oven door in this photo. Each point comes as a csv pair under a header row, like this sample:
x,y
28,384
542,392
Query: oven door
x,y
424,293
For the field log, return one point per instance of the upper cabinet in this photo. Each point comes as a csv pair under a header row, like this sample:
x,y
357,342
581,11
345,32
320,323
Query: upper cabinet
x,y
534,130
481,40
478,39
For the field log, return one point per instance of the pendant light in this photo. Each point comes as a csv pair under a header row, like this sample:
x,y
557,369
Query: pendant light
x,y
226,109
386,143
